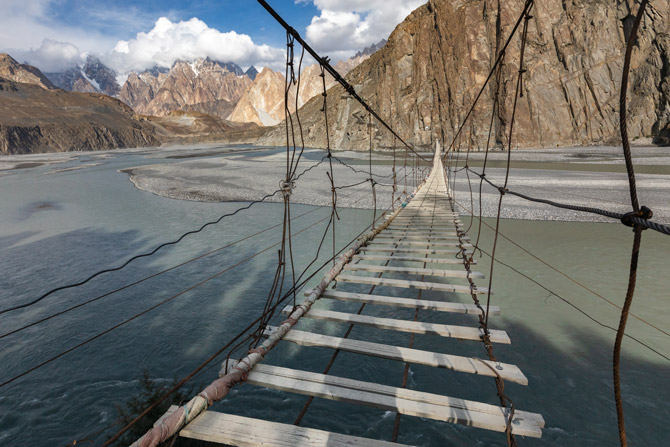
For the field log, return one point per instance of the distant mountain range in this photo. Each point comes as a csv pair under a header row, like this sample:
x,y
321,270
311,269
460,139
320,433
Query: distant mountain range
x,y
35,116
221,89
192,101
94,77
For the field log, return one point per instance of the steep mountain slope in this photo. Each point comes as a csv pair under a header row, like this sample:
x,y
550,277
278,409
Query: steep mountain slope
x,y
11,70
263,101
72,80
36,117
425,78
102,75
203,86
93,77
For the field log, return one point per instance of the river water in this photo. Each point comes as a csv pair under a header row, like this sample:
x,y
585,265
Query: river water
x,y
59,225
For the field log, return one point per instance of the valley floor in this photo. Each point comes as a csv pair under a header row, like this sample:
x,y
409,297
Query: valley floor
x,y
584,176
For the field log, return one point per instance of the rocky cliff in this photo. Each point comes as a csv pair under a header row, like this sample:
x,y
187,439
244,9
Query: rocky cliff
x,y
11,70
202,86
426,77
92,77
34,119
263,101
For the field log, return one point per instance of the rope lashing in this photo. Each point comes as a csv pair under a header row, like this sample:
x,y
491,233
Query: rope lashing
x,y
644,213
287,187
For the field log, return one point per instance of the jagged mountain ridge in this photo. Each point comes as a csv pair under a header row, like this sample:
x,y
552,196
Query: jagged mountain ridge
x,y
263,101
203,85
369,51
426,77
11,70
32,117
221,89
92,77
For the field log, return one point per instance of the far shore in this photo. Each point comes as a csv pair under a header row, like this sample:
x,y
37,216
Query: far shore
x,y
586,176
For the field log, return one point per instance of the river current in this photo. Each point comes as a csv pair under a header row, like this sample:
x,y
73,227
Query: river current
x,y
59,225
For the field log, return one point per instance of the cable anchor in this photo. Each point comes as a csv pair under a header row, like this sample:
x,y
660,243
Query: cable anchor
x,y
644,213
286,187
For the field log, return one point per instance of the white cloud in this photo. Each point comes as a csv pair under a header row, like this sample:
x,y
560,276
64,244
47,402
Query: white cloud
x,y
170,41
52,56
25,26
346,26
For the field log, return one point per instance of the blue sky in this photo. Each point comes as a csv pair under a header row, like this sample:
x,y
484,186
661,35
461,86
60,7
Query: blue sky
x,y
131,35
122,19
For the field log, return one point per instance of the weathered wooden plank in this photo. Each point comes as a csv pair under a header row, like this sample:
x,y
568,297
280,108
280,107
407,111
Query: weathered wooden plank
x,y
415,327
422,285
413,259
441,306
241,431
410,231
458,363
462,273
523,420
412,237
426,223
408,243
427,220
417,251
423,228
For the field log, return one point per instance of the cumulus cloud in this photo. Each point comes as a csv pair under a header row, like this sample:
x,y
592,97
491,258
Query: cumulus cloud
x,y
346,26
26,23
170,41
52,56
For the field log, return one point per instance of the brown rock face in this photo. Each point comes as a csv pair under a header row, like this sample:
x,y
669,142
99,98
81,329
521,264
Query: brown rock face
x,y
71,80
13,71
181,127
202,86
426,77
263,101
33,119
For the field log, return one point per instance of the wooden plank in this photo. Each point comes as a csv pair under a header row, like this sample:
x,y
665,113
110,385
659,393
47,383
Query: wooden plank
x,y
411,237
424,228
523,420
418,234
416,251
443,223
408,243
440,306
414,327
240,431
415,235
458,363
427,220
422,285
414,271
413,259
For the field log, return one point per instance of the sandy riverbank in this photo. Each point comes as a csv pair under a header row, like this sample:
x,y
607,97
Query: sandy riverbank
x,y
590,176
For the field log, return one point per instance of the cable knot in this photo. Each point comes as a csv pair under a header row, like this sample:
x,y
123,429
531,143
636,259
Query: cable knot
x,y
644,213
502,190
286,187
482,175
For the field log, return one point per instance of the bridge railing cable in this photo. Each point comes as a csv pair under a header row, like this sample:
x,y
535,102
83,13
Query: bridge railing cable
x,y
338,78
639,218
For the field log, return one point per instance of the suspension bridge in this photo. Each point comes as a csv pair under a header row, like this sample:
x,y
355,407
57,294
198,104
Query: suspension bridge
x,y
417,244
